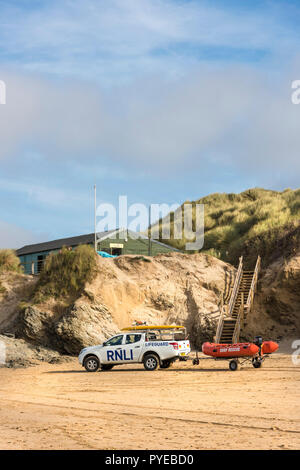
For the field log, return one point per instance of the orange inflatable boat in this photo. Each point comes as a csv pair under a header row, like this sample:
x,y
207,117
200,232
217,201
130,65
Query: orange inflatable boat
x,y
230,350
238,349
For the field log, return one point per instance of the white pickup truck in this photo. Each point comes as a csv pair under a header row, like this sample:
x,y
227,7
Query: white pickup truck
x,y
151,345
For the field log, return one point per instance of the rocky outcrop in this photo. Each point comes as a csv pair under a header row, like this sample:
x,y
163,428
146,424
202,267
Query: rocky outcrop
x,y
36,325
276,311
86,324
16,352
14,288
170,288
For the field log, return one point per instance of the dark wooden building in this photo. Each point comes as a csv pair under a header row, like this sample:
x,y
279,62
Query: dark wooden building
x,y
115,242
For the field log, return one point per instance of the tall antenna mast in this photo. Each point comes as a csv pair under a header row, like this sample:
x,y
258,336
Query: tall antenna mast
x,y
149,232
95,221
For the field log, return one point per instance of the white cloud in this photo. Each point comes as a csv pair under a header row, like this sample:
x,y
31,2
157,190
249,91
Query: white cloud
x,y
49,196
130,86
233,115
13,236
173,112
109,39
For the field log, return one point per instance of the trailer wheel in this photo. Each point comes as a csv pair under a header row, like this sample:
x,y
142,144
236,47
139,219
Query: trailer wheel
x,y
91,364
233,365
256,363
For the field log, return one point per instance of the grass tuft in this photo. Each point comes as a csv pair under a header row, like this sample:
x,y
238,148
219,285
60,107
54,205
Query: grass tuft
x,y
9,262
65,273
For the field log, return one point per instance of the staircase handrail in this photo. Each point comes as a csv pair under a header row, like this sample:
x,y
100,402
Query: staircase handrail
x,y
237,328
227,309
235,286
253,284
220,325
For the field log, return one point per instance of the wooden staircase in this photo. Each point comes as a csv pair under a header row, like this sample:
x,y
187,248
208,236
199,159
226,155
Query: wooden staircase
x,y
240,304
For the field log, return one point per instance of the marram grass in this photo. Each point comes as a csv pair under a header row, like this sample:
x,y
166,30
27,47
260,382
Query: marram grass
x,y
250,223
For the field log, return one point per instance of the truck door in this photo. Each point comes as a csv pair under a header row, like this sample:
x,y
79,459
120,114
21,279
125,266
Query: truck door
x,y
133,347
111,353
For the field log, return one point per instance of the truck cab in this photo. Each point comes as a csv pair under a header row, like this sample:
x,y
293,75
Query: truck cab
x,y
151,345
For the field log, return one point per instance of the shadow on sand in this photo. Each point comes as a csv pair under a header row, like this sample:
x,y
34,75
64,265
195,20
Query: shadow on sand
x,y
195,369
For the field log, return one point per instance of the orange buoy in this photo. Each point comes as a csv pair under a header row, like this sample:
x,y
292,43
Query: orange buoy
x,y
268,347
230,350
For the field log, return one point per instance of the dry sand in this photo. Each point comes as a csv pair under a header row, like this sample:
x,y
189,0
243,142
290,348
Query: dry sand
x,y
185,407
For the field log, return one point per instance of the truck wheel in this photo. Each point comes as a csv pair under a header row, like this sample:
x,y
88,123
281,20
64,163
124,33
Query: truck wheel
x,y
151,362
91,364
233,365
106,366
165,364
256,363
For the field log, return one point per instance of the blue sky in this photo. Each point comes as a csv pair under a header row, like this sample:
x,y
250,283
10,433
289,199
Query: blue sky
x,y
159,100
